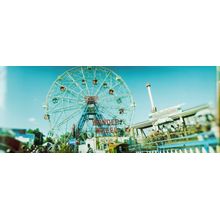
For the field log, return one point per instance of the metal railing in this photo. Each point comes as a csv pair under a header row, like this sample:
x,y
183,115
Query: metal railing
x,y
201,142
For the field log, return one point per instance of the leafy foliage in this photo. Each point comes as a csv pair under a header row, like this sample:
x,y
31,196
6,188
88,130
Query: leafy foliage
x,y
39,136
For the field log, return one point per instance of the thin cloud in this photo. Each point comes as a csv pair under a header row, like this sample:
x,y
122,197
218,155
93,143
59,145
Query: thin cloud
x,y
32,120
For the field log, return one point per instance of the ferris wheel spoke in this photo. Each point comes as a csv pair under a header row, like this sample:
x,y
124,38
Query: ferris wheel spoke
x,y
69,118
94,77
112,112
61,109
128,110
56,121
111,82
58,118
87,88
65,109
54,105
123,96
98,90
105,92
69,100
94,73
113,97
105,110
115,85
112,108
108,100
63,98
74,81
70,90
79,94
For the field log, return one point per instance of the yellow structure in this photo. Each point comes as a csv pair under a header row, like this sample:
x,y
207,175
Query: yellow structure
x,y
118,148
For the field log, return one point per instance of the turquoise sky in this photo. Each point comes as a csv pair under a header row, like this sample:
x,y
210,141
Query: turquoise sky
x,y
27,88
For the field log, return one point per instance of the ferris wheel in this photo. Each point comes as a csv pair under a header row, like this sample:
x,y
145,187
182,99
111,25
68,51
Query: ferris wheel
x,y
94,100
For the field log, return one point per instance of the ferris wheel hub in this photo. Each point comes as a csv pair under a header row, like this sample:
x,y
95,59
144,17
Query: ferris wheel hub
x,y
91,99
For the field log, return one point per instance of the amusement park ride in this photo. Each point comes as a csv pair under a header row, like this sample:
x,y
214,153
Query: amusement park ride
x,y
93,101
93,108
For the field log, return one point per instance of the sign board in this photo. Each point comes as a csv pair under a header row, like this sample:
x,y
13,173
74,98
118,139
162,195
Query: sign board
x,y
107,122
72,141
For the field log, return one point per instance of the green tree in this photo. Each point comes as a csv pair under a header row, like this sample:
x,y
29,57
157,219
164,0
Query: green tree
x,y
64,138
65,148
49,139
39,136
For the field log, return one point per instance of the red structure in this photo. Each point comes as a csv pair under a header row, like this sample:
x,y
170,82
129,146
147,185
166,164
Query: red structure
x,y
10,143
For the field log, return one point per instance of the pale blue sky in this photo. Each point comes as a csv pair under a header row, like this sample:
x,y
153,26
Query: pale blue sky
x,y
27,88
